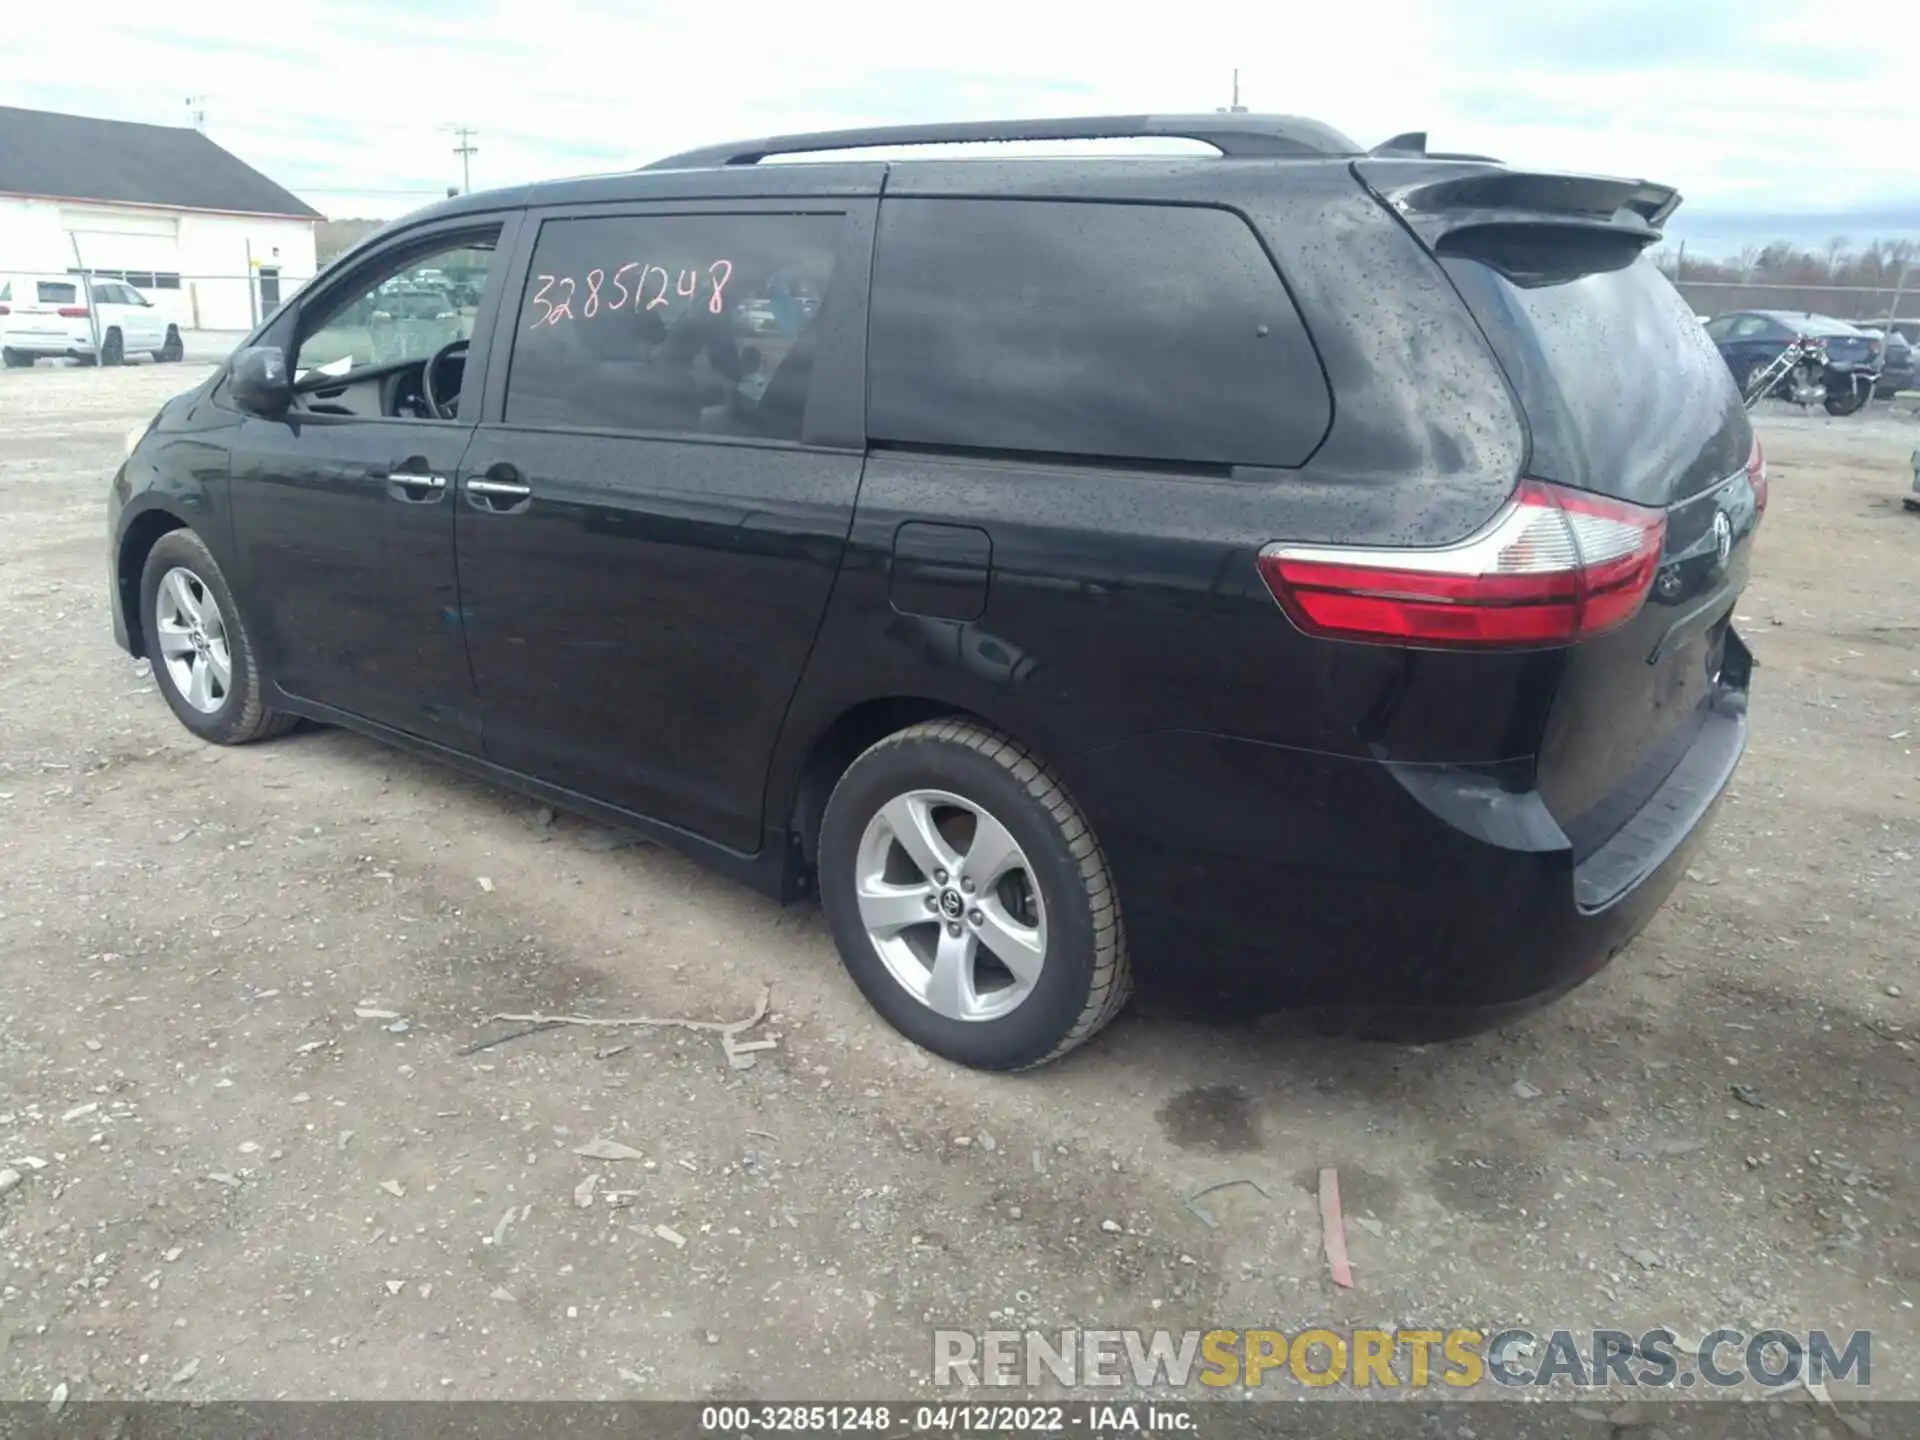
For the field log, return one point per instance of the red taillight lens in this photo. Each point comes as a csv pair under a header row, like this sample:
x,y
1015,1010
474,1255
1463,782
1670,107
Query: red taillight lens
x,y
1757,477
72,312
1552,567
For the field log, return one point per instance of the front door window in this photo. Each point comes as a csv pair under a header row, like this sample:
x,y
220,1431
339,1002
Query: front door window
x,y
408,313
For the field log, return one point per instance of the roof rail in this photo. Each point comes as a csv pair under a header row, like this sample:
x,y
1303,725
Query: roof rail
x,y
1235,136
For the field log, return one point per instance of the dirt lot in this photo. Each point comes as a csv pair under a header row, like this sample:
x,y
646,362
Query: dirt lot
x,y
250,1189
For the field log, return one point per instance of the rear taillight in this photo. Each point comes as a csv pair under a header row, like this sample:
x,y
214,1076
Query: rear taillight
x,y
1553,566
72,312
1757,477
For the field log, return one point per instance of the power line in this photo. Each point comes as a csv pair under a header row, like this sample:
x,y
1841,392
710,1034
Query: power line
x,y
465,150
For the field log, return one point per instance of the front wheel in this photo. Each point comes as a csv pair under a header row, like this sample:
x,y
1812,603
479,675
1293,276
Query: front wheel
x,y
170,349
969,899
1750,383
199,646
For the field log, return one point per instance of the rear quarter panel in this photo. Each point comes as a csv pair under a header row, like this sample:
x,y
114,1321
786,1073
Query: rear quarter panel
x,y
1123,603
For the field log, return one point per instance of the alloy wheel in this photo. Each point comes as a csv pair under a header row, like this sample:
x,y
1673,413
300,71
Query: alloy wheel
x,y
193,640
951,905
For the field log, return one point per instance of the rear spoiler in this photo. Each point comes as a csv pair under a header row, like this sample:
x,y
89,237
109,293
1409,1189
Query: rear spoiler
x,y
1437,196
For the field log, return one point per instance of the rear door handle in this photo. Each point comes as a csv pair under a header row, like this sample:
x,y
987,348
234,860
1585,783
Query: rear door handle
x,y
498,492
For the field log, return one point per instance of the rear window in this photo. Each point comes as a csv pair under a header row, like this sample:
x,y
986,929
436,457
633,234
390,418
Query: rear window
x,y
1623,390
58,292
1129,332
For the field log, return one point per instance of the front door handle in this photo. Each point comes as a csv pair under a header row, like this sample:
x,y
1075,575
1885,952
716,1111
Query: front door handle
x,y
499,491
414,489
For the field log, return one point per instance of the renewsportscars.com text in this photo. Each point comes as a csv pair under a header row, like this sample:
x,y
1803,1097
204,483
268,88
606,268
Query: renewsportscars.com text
x,y
1381,1359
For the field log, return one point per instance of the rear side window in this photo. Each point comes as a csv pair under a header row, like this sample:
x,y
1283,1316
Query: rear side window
x,y
687,324
57,292
1156,333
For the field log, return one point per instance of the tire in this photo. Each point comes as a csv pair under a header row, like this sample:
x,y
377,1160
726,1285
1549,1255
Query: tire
x,y
1846,404
232,712
171,349
113,350
1749,379
1057,889
15,359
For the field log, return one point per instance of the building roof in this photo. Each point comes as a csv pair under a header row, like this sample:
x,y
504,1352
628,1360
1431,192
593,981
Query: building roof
x,y
75,157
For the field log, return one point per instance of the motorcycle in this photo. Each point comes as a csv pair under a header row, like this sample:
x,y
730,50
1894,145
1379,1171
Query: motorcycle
x,y
1803,375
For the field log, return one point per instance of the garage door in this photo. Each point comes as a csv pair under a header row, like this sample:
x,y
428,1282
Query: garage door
x,y
143,250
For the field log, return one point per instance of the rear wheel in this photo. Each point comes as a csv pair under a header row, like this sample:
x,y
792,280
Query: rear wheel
x,y
15,359
1846,404
112,348
199,646
171,349
969,899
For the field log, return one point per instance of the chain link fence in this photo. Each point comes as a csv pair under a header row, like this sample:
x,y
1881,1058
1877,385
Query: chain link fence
x,y
1865,304
220,301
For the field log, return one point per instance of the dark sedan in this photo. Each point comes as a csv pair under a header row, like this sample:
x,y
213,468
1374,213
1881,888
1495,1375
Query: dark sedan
x,y
1750,340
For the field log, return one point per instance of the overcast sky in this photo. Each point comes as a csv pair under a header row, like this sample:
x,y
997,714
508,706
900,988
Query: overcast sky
x,y
1770,117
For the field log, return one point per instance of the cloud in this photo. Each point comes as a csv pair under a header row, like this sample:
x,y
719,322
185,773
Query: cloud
x,y
1763,105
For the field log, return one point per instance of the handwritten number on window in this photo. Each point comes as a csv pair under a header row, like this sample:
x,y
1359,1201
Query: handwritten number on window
x,y
540,298
651,288
620,284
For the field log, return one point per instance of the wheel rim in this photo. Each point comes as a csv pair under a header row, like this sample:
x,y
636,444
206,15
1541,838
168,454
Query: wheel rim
x,y
951,905
193,640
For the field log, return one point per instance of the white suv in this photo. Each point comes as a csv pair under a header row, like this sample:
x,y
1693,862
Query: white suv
x,y
49,315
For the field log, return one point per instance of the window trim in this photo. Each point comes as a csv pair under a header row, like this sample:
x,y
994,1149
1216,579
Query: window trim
x,y
835,418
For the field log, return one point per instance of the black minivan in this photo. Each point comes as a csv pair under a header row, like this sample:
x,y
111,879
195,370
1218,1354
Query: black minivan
x,y
1303,573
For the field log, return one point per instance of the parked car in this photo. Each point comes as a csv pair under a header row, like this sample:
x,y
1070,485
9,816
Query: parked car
x,y
53,315
1896,363
1070,594
1751,340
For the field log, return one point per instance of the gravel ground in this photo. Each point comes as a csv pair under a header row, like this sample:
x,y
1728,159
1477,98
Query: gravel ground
x,y
236,987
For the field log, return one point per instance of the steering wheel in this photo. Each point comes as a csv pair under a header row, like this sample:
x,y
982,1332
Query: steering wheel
x,y
448,408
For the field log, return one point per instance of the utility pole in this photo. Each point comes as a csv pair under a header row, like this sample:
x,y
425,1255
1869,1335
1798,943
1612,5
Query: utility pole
x,y
465,150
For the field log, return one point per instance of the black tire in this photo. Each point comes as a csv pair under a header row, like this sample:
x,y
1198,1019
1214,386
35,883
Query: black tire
x,y
1846,404
1084,980
243,714
1749,380
113,350
15,359
171,349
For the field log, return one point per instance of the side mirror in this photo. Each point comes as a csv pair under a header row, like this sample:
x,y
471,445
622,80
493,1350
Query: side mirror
x,y
259,381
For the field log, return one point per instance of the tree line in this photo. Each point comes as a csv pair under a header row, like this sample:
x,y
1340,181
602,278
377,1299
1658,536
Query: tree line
x,y
1876,265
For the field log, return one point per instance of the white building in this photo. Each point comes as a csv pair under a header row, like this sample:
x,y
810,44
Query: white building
x,y
201,233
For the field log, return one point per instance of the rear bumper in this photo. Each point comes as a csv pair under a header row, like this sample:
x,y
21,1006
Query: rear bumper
x,y
49,342
1283,879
